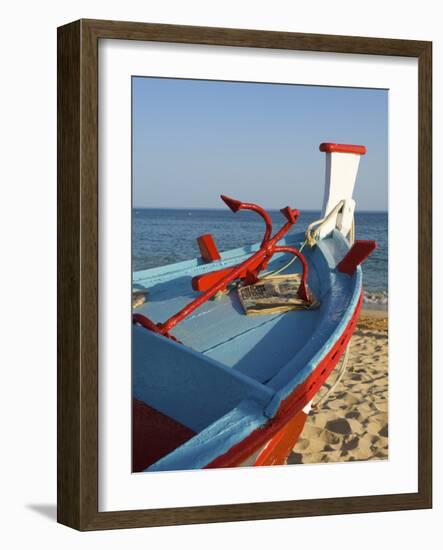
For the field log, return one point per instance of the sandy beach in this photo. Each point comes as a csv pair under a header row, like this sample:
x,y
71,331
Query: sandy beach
x,y
352,423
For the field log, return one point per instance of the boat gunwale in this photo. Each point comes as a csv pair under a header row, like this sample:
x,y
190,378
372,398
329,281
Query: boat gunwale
x,y
199,266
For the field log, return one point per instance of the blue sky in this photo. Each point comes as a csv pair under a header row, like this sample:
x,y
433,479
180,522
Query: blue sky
x,y
194,139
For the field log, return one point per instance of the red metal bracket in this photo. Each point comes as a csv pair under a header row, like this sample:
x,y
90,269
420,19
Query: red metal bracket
x,y
208,248
212,283
357,254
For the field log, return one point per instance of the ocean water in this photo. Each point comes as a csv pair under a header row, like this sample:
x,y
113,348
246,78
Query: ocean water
x,y
162,236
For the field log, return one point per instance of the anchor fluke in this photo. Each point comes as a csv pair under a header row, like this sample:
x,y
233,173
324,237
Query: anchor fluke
x,y
291,214
233,204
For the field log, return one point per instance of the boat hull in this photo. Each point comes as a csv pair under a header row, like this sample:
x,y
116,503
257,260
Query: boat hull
x,y
277,438
241,383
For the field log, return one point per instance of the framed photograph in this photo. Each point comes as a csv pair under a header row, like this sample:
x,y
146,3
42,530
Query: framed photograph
x,y
244,274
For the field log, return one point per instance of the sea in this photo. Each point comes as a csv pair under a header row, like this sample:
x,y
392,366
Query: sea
x,y
165,236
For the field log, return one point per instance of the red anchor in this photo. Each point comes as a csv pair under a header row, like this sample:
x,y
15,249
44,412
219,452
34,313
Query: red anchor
x,y
248,271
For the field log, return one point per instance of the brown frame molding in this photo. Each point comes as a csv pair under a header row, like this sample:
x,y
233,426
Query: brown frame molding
x,y
77,410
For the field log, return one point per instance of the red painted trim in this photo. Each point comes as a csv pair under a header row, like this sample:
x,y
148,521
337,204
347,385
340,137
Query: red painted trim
x,y
292,404
208,248
154,435
280,446
342,148
357,254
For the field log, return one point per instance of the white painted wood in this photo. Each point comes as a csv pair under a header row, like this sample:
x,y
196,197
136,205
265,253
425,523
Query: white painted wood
x,y
340,175
341,171
345,217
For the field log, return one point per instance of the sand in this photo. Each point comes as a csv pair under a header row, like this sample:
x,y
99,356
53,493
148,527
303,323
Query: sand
x,y
352,423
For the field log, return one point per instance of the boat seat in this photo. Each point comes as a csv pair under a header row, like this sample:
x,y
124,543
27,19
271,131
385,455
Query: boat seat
x,y
188,387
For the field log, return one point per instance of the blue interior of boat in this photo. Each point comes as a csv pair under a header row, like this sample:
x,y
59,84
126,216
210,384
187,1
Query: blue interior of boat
x,y
211,389
233,370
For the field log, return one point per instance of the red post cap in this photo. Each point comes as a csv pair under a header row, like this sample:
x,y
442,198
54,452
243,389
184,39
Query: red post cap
x,y
342,148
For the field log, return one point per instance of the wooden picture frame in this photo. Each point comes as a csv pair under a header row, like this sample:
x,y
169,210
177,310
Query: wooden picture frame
x,y
78,273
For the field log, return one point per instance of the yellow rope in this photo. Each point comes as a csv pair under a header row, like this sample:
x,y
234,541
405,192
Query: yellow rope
x,y
312,234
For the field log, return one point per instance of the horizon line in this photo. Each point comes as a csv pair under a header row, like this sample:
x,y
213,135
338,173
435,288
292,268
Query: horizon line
x,y
227,210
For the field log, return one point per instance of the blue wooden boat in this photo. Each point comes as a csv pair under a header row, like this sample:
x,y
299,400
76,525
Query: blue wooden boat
x,y
219,388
